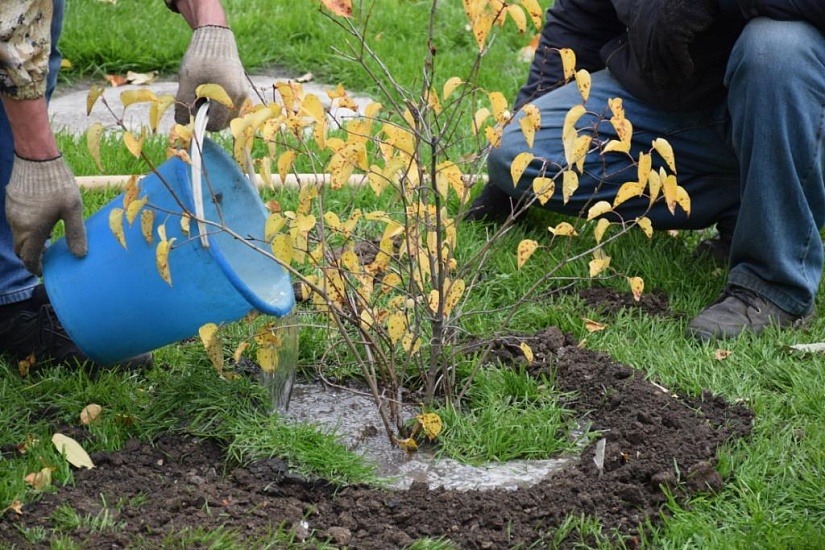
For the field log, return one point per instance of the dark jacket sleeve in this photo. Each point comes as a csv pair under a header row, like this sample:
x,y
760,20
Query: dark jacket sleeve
x,y
584,26
812,11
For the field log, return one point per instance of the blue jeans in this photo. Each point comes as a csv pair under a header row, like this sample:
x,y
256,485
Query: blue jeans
x,y
16,283
756,158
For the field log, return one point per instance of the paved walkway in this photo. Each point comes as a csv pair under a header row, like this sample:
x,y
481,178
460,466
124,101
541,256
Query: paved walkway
x,y
68,106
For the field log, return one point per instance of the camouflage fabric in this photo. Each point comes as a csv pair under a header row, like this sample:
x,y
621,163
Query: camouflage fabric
x,y
25,41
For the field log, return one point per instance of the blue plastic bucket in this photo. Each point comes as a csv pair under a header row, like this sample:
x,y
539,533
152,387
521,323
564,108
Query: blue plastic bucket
x,y
114,304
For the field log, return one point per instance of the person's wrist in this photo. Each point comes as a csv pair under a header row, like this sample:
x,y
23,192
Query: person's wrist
x,y
35,176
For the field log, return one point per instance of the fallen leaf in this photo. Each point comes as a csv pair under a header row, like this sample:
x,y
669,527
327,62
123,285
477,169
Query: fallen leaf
x,y
141,78
90,413
527,351
116,80
72,450
16,507
722,354
40,480
593,326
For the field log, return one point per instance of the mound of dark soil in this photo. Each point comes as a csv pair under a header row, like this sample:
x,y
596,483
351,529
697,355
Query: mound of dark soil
x,y
653,440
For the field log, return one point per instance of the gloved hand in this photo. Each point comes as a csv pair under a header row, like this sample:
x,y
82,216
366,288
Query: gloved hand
x,y
212,58
662,32
40,193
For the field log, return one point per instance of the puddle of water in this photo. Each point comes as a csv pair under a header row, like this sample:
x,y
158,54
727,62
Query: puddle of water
x,y
355,420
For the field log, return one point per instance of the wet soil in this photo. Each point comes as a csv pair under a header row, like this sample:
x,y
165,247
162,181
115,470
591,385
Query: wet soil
x,y
654,440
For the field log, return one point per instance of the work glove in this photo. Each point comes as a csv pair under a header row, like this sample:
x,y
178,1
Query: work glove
x,y
662,32
39,193
212,58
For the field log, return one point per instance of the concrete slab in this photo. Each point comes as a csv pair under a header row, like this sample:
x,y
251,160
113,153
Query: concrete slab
x,y
67,108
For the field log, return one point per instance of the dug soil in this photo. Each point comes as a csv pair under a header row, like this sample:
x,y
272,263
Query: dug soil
x,y
654,440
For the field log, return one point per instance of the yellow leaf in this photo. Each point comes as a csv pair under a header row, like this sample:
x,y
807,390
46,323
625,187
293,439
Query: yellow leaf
x,y
568,61
645,225
669,187
408,445
563,229
519,165
624,129
135,145
213,344
593,326
683,199
72,450
116,225
569,184
643,168
236,357
527,351
16,506
518,16
529,123
158,108
134,207
534,11
654,185
141,95
90,413
454,294
91,98
499,104
282,248
214,92
339,7
268,358
525,250
431,424
147,224
601,227
616,146
162,258
583,83
569,128
637,286
493,135
580,147
479,117
628,190
661,146
185,222
304,222
131,191
93,137
285,163
396,326
434,300
450,86
544,189
598,209
598,265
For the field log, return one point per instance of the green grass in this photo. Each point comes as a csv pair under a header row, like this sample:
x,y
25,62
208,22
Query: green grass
x,y
774,496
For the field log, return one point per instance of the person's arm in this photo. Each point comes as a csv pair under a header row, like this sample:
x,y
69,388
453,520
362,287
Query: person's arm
x,y
585,27
212,58
812,11
41,189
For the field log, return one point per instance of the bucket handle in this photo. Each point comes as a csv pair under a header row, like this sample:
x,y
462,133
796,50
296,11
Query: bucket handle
x,y
199,131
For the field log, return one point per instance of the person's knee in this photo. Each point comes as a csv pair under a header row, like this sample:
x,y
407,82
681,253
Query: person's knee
x,y
776,50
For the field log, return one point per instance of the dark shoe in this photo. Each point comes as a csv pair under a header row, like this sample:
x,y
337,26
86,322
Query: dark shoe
x,y
717,248
739,310
31,333
494,205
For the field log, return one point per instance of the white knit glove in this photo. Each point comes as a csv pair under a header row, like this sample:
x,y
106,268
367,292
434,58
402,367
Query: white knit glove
x,y
40,193
212,58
